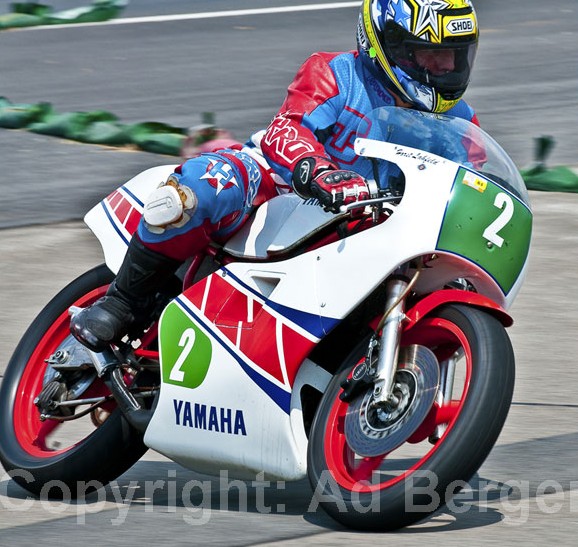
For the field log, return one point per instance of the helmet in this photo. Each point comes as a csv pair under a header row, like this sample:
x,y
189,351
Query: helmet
x,y
423,50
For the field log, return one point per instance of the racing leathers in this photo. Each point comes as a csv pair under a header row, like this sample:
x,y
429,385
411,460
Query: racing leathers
x,y
316,125
320,117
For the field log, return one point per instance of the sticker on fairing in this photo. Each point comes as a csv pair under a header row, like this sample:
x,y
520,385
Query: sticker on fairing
x,y
186,349
488,225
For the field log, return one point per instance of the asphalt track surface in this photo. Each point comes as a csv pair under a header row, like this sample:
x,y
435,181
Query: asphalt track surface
x,y
524,85
238,67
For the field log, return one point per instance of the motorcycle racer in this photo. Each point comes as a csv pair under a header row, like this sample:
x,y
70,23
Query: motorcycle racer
x,y
410,53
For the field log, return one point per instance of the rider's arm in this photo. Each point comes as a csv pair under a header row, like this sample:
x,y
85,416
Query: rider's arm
x,y
310,108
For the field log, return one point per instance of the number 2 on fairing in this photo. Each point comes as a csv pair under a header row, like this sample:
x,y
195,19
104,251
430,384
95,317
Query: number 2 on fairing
x,y
186,342
505,203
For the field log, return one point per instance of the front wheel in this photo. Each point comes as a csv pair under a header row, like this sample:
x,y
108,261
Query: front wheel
x,y
416,477
61,458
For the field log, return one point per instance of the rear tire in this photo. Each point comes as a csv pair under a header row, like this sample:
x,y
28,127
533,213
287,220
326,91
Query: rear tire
x,y
377,493
103,454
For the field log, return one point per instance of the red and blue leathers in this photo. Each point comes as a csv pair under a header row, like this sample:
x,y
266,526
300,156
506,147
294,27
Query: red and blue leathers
x,y
321,116
228,184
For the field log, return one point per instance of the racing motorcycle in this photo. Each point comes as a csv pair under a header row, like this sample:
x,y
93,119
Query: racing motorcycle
x,y
366,349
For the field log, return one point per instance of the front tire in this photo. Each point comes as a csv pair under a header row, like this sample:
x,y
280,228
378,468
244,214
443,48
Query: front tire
x,y
101,449
400,488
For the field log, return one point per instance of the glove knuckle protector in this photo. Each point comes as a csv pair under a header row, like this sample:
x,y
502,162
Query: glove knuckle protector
x,y
317,177
305,172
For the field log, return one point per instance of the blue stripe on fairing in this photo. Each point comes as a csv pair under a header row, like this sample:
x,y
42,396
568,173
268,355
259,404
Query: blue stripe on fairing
x,y
317,325
114,225
138,201
314,324
112,220
279,396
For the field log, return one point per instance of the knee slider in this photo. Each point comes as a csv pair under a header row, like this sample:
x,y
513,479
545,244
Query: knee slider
x,y
169,204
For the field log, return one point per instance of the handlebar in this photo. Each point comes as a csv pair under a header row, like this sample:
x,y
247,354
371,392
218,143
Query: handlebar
x,y
366,202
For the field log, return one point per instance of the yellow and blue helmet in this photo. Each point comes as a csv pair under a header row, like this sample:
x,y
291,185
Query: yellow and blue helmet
x,y
423,50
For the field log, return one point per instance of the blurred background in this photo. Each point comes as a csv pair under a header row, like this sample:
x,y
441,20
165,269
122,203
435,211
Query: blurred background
x,y
153,64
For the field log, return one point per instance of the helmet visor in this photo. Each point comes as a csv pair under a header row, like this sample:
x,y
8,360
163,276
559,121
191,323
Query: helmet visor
x,y
445,67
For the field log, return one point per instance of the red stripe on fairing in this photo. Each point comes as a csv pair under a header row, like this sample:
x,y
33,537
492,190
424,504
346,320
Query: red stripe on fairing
x,y
230,332
125,214
195,292
122,210
112,204
265,355
296,348
133,220
229,310
219,294
114,198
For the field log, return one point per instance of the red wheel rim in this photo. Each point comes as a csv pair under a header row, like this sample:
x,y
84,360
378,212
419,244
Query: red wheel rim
x,y
354,474
31,433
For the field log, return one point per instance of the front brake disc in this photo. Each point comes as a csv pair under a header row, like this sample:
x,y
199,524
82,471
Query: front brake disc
x,y
373,430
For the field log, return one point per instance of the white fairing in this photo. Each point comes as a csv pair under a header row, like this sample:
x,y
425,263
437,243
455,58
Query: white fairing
x,y
241,417
110,225
228,424
275,441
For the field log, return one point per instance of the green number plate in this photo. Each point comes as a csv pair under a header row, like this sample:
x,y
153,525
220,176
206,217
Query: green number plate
x,y
186,350
487,225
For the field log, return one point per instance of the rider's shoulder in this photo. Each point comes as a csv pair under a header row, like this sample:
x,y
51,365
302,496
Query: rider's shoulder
x,y
462,110
331,57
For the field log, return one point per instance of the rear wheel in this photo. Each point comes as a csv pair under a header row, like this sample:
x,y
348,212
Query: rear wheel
x,y
62,458
420,473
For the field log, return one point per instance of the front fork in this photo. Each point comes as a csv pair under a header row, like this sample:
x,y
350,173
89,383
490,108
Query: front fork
x,y
392,326
387,362
444,394
381,376
379,373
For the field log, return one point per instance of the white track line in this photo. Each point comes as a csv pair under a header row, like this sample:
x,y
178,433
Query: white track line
x,y
204,15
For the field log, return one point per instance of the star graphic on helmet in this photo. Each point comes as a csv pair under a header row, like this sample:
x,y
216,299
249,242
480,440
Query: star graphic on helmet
x,y
401,13
427,15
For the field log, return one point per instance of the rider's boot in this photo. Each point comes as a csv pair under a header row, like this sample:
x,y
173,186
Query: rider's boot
x,y
129,300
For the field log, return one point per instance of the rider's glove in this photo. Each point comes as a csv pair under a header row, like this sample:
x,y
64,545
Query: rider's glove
x,y
317,177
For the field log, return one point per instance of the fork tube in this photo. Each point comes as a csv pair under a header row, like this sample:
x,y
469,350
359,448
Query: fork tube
x,y
449,372
447,375
389,344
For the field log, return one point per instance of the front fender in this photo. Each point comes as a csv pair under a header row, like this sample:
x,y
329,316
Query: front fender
x,y
439,298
